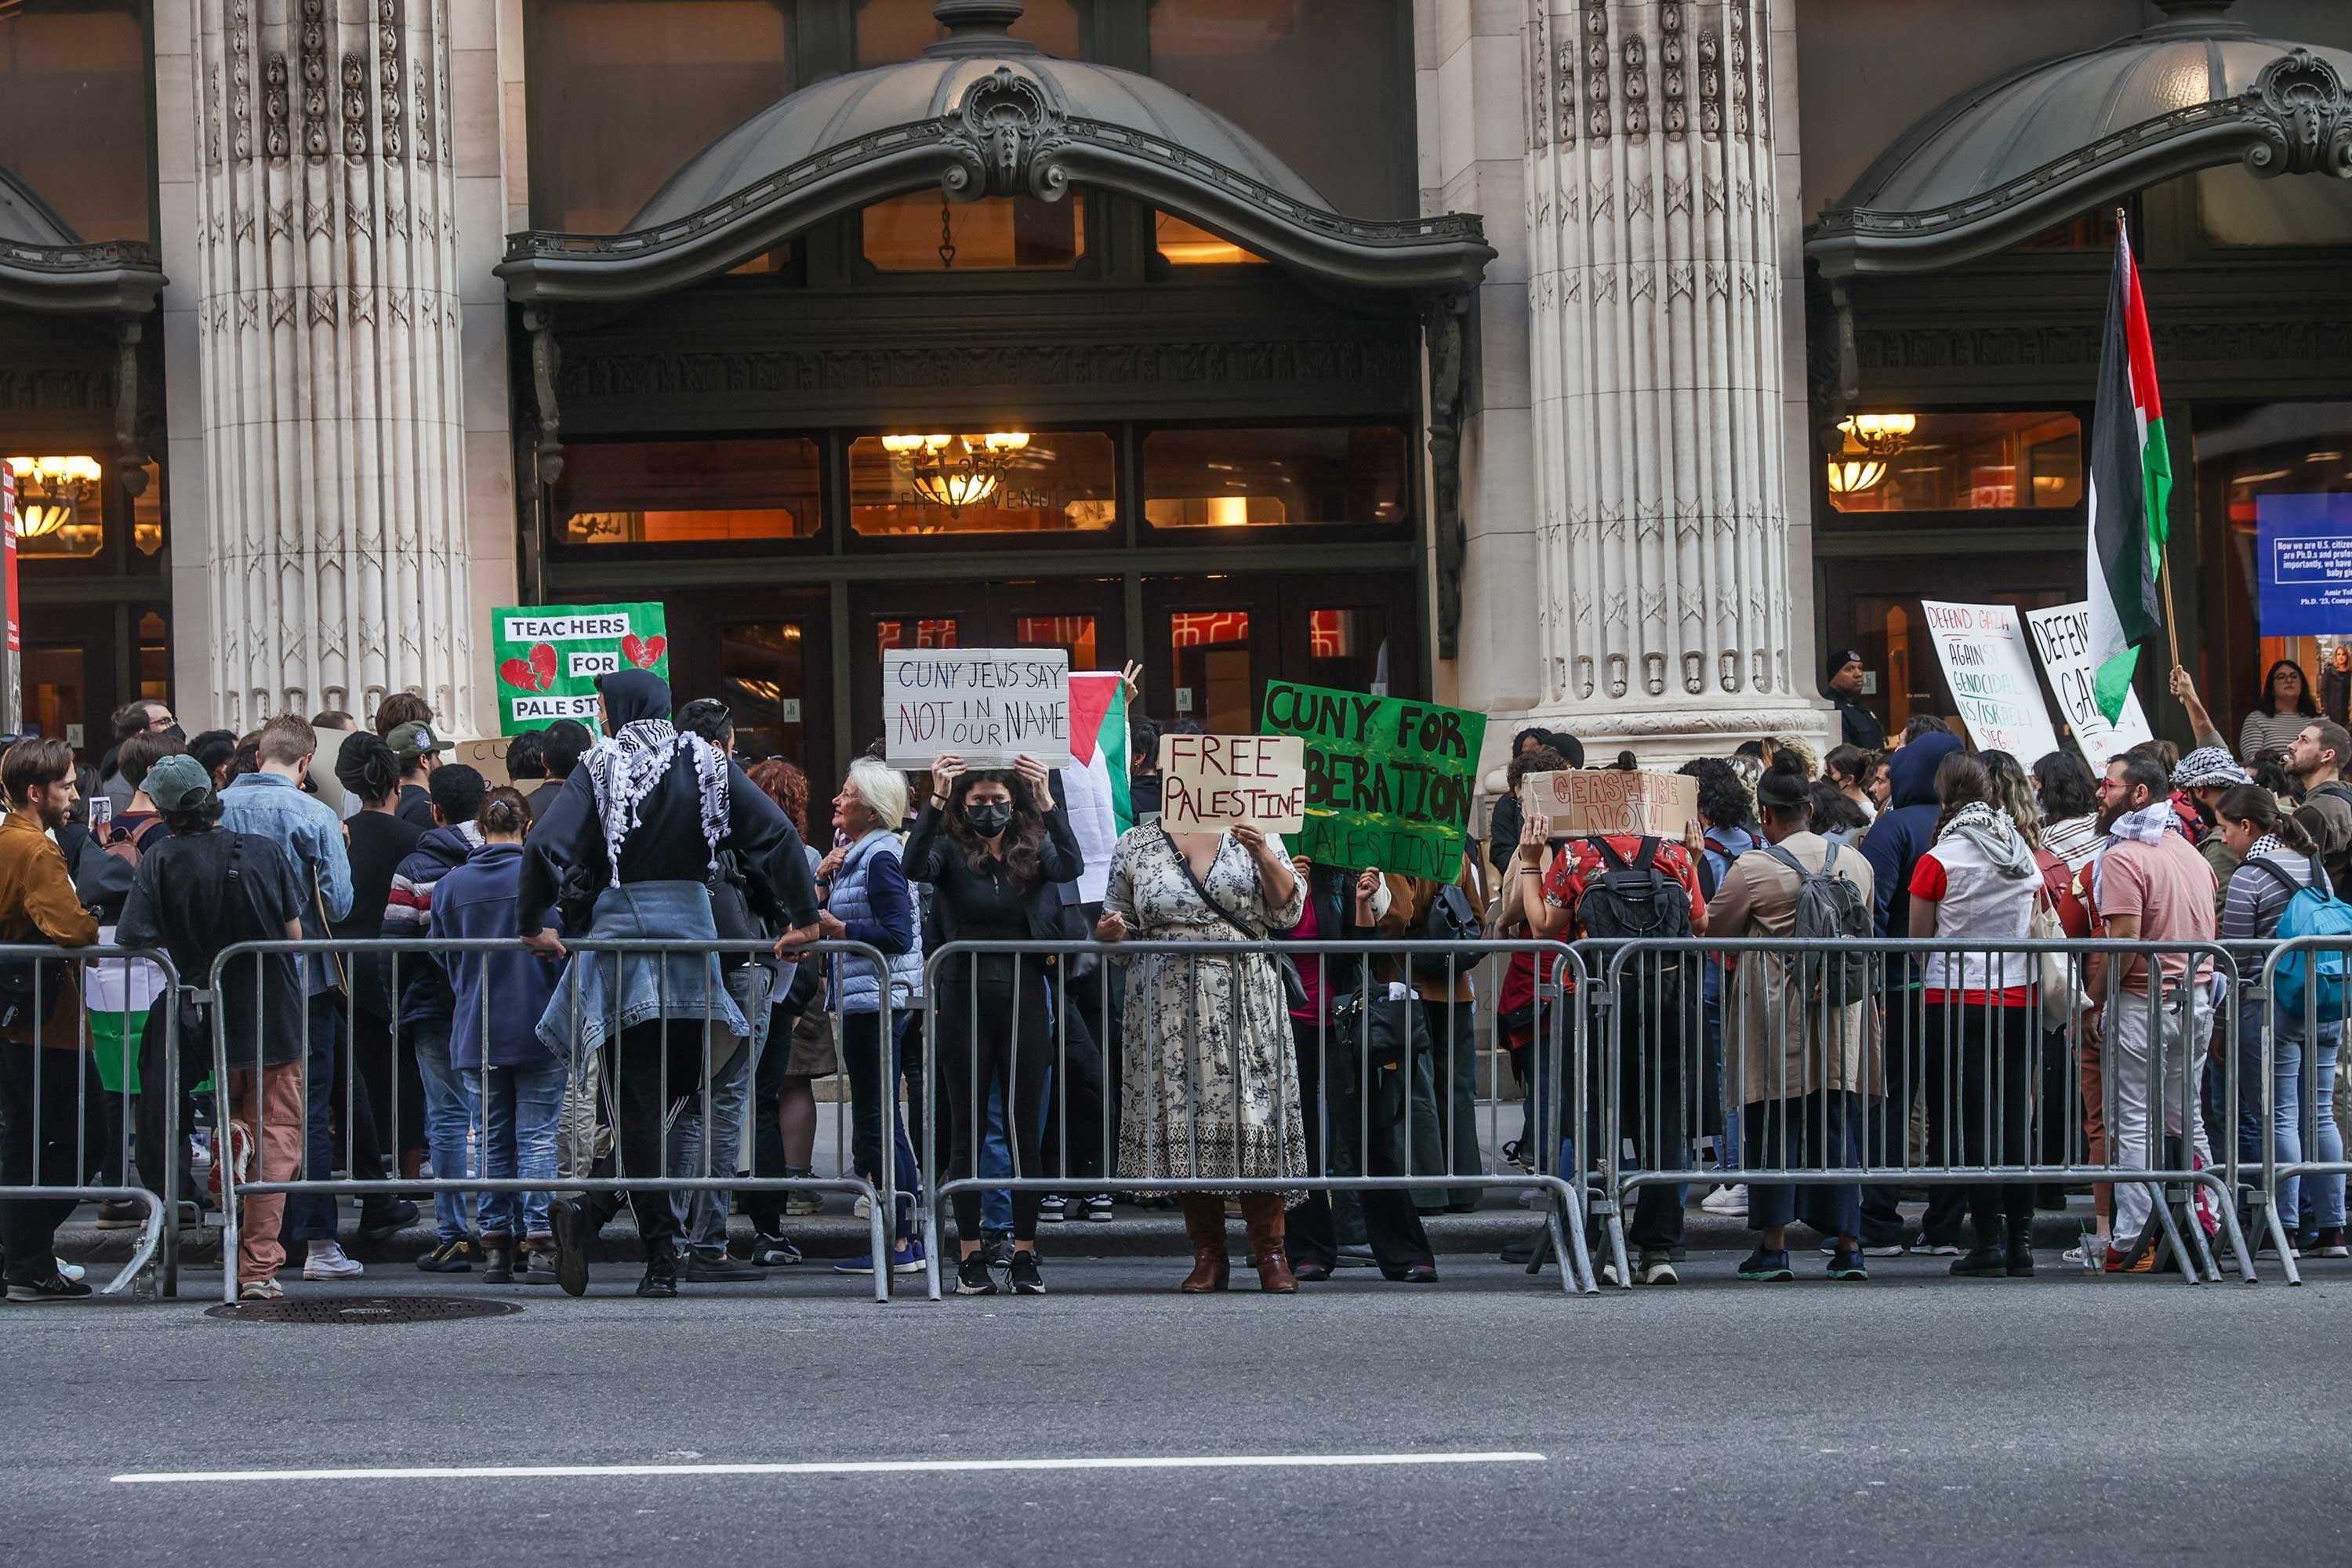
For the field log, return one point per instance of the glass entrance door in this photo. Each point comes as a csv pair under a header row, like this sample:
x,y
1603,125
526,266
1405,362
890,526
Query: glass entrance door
x,y
1080,615
1212,643
769,657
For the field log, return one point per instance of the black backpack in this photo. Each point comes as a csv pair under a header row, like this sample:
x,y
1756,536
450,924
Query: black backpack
x,y
1632,901
1657,993
1831,909
1451,918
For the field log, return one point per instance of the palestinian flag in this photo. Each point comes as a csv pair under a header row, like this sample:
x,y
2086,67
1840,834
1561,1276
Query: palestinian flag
x,y
2131,490
1094,786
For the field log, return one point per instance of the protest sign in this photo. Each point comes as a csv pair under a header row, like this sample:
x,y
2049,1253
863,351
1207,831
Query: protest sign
x,y
2304,557
2062,634
549,657
489,758
1991,677
987,706
1388,782
1210,782
1583,802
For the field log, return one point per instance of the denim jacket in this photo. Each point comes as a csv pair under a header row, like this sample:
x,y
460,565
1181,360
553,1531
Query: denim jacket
x,y
311,834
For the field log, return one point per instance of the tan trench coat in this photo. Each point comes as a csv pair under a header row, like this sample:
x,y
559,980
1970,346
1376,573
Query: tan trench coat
x,y
1777,1044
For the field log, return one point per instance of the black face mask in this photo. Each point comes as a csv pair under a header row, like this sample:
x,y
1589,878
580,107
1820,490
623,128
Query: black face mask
x,y
988,821
176,733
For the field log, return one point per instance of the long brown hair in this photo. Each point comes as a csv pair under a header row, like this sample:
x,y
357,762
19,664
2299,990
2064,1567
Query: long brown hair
x,y
1024,835
1960,780
2252,802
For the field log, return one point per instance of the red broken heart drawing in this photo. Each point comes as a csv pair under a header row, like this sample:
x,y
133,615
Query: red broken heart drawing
x,y
643,652
536,675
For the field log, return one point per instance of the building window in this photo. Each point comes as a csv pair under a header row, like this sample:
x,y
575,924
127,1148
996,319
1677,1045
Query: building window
x,y
624,92
1216,685
1183,243
890,31
1074,634
681,492
1061,481
1957,462
74,125
2238,209
1274,478
1326,84
155,656
888,635
926,232
60,505
2288,465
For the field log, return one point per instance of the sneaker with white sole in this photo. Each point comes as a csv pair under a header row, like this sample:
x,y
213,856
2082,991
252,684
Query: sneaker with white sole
x,y
1923,1248
1053,1208
1731,1200
1098,1209
261,1290
327,1260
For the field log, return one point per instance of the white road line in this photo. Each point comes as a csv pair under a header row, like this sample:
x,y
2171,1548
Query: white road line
x,y
843,1467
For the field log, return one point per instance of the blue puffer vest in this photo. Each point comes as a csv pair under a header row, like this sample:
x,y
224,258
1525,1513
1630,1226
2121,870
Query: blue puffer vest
x,y
854,986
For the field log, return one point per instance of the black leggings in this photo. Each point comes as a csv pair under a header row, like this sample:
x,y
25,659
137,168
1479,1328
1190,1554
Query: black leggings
x,y
1995,1088
1009,1042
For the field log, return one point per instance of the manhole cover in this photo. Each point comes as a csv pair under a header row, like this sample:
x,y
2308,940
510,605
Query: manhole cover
x,y
361,1309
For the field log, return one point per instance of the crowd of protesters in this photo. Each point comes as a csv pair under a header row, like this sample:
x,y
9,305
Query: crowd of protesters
x,y
521,1061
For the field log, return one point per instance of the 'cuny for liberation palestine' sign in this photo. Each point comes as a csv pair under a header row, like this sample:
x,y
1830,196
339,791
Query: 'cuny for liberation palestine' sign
x,y
550,655
988,706
1388,782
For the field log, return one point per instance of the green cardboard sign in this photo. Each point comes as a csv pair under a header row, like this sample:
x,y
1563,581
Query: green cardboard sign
x,y
550,655
1388,782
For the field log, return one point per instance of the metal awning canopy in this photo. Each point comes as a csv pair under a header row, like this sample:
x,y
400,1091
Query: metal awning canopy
x,y
45,266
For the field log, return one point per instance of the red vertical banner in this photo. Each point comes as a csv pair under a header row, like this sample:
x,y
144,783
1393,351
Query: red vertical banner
x,y
9,548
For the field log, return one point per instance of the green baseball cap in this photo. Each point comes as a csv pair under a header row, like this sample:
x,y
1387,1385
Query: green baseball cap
x,y
178,782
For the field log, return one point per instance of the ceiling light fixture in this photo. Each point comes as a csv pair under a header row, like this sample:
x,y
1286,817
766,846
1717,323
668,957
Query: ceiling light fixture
x,y
956,471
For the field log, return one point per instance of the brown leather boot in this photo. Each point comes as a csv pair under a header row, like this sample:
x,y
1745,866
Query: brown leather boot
x,y
1264,1212
1204,1223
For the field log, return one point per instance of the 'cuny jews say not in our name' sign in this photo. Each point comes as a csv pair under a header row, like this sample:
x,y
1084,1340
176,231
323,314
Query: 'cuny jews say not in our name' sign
x,y
1389,781
1210,782
987,706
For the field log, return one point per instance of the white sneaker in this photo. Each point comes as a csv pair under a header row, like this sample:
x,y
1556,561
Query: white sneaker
x,y
1731,1200
327,1261
862,1208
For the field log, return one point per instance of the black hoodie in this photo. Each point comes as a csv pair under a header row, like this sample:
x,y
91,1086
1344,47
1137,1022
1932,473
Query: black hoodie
x,y
1906,828
667,845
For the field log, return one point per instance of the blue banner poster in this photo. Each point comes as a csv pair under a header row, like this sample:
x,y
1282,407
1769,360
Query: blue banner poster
x,y
2303,555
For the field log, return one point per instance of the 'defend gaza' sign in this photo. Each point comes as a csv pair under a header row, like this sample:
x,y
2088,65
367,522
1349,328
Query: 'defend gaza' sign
x,y
1388,782
550,655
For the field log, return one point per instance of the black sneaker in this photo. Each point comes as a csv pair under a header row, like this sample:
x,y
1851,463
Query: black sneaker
x,y
973,1274
707,1269
1053,1208
1026,1280
498,1260
1768,1266
1099,1208
1986,1261
383,1221
774,1251
450,1258
539,1262
569,1224
55,1287
1845,1263
661,1277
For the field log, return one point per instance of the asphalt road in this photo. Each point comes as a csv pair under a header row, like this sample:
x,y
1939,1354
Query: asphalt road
x,y
1915,1418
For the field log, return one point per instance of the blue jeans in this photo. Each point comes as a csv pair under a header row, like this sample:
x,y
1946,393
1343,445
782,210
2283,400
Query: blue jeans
x,y
449,1111
702,1216
2325,1193
311,1216
521,1106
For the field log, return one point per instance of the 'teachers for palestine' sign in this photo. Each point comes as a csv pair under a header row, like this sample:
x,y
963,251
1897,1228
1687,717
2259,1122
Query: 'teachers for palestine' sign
x,y
550,655
1388,782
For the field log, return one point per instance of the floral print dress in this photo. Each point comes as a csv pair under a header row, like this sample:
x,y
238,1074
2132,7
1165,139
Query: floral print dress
x,y
1211,1076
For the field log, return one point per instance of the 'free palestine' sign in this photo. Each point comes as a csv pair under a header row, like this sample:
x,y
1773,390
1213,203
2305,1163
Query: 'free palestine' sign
x,y
1388,782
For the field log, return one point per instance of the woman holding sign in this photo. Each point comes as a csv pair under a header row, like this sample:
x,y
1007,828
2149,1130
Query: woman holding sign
x,y
1211,1079
992,843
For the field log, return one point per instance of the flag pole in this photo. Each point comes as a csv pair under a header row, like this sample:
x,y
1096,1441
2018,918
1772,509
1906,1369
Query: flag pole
x,y
2164,556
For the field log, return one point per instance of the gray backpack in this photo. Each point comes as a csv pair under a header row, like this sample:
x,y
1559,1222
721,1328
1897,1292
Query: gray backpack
x,y
1832,912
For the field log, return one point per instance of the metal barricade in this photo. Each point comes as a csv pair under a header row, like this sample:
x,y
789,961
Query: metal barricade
x,y
46,1081
1825,1048
684,1083
2257,1120
953,987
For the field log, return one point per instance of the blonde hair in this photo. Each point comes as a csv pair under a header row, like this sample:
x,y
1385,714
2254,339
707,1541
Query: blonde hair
x,y
882,787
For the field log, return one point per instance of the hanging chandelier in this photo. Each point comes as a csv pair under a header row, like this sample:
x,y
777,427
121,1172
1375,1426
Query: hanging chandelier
x,y
956,471
50,491
1870,440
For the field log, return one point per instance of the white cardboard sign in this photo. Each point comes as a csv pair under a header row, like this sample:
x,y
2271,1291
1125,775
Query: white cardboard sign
x,y
1991,676
2062,634
987,706
1210,783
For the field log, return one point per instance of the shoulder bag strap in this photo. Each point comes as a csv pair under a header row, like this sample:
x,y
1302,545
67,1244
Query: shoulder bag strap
x,y
1185,865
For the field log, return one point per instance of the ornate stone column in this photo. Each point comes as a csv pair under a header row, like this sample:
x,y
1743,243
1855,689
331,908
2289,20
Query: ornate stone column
x,y
328,331
1666,612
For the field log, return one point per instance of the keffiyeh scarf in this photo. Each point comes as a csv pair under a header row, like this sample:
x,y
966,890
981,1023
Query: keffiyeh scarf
x,y
1995,836
2148,824
624,769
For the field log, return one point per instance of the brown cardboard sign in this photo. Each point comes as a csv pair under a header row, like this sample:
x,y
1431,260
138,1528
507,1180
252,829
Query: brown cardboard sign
x,y
1210,782
1586,802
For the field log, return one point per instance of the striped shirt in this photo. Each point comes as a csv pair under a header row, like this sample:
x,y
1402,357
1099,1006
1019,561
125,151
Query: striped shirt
x,y
2073,840
2268,733
2257,898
